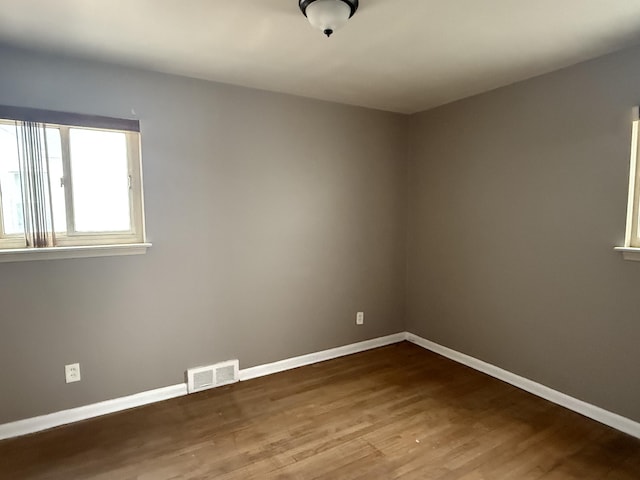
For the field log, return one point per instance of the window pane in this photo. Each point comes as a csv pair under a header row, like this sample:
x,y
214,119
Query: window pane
x,y
12,217
54,150
100,175
10,180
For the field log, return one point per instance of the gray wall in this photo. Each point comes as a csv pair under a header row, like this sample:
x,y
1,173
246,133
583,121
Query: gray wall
x,y
273,220
516,200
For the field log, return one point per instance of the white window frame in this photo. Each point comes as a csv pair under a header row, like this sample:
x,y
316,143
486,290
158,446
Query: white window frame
x,y
73,244
631,248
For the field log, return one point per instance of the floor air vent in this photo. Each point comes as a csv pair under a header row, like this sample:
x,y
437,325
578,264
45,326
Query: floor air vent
x,y
203,378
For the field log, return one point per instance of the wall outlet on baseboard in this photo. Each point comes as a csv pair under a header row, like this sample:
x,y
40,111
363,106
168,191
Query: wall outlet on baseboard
x,y
72,373
360,318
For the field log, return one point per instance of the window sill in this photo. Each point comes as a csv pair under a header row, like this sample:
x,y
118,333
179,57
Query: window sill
x,y
55,253
629,253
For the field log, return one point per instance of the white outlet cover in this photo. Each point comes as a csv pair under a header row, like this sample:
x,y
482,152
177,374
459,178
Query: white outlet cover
x,y
72,373
359,318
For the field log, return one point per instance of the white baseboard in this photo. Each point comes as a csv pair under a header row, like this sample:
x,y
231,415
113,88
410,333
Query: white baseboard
x,y
44,422
301,361
601,415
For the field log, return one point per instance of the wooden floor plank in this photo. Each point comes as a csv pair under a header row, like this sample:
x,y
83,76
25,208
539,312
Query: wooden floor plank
x,y
398,412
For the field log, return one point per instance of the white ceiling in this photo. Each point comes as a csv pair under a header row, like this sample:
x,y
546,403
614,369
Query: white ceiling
x,y
398,55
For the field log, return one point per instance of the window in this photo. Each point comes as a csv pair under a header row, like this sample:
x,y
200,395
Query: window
x,y
69,180
631,248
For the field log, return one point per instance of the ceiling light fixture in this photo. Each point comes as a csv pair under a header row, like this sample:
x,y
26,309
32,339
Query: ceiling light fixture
x,y
328,15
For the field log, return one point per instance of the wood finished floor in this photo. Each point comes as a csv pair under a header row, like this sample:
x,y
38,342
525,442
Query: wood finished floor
x,y
395,412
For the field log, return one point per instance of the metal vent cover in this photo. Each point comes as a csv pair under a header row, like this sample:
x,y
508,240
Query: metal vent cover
x,y
211,376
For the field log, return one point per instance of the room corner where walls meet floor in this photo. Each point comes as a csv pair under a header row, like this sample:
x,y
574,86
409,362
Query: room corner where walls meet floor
x,y
618,422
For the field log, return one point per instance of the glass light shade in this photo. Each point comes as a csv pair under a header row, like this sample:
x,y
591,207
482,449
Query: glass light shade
x,y
328,15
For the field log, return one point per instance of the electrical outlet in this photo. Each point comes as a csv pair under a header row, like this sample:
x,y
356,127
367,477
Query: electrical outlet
x,y
360,318
72,372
